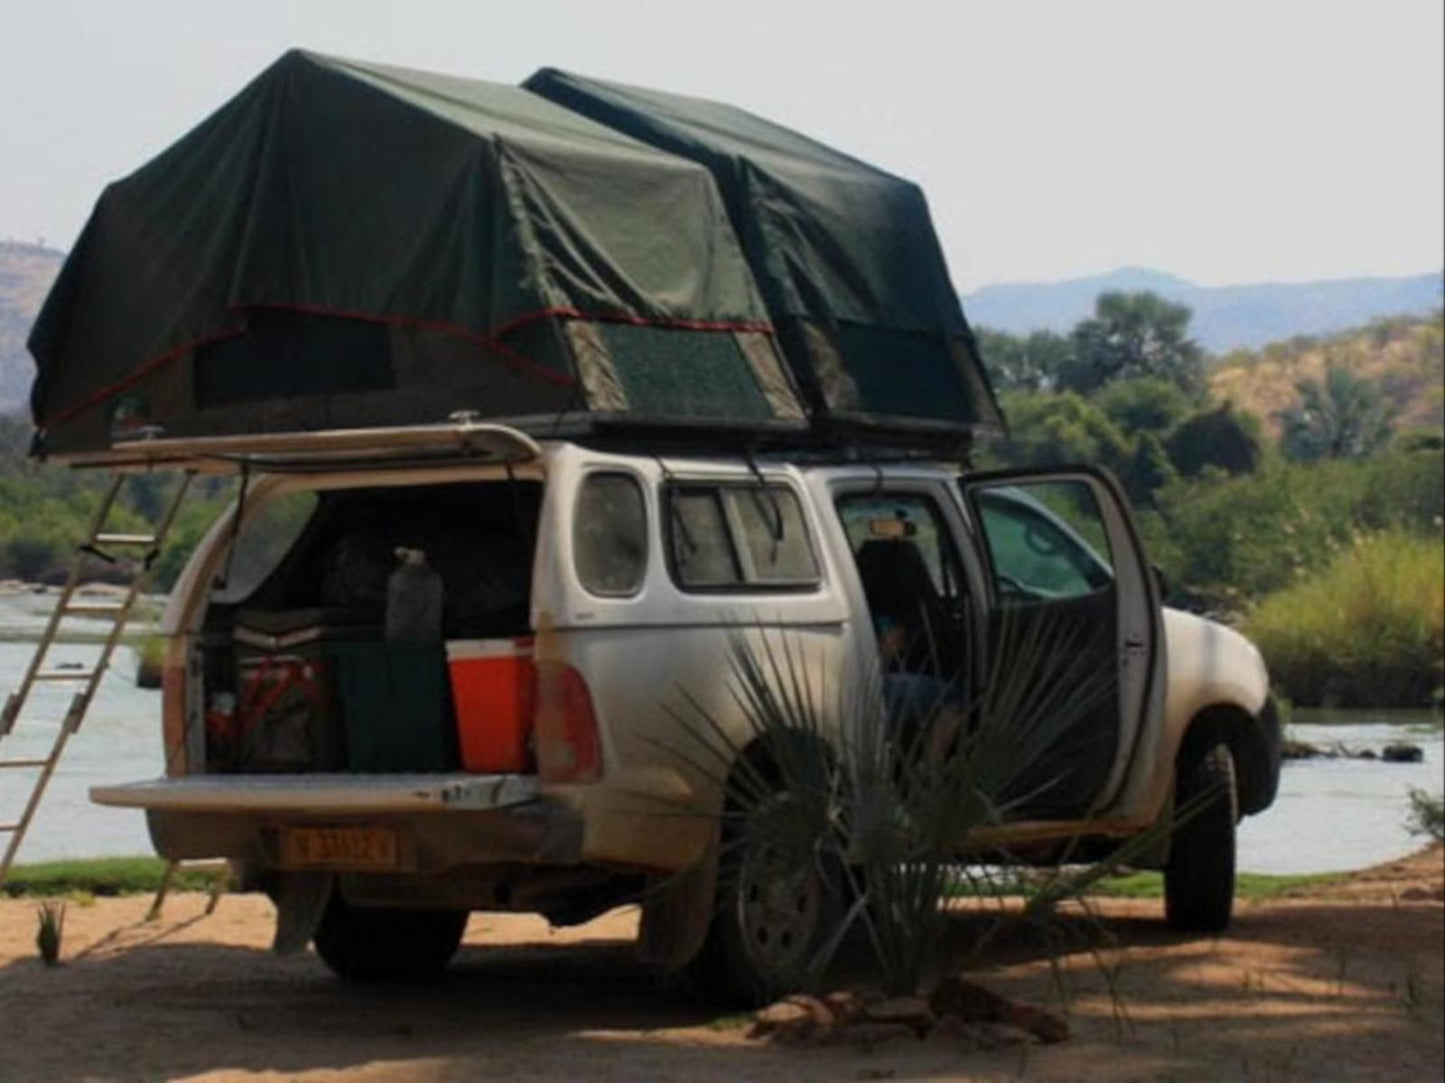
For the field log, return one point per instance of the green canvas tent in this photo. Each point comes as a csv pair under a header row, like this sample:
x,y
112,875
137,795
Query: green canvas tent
x,y
845,254
344,245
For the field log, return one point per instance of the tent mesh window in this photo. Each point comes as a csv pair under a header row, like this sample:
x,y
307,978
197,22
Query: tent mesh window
x,y
679,373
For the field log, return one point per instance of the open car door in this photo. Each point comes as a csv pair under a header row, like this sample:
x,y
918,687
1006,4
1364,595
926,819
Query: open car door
x,y
1074,613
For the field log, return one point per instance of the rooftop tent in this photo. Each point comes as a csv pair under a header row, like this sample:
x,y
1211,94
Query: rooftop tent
x,y
347,245
844,253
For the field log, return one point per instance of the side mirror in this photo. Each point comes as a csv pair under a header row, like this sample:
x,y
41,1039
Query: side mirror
x,y
1161,581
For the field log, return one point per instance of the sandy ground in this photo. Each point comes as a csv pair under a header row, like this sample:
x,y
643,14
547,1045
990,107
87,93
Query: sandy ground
x,y
1343,982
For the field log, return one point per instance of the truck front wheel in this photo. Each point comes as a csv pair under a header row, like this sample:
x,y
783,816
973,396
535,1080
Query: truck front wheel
x,y
372,944
1199,878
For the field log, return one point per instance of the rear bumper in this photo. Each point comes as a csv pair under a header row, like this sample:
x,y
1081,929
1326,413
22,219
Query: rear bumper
x,y
441,822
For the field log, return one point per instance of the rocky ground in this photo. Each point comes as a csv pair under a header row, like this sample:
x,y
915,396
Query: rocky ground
x,y
1335,982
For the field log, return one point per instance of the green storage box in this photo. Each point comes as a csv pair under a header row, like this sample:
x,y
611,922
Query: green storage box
x,y
396,707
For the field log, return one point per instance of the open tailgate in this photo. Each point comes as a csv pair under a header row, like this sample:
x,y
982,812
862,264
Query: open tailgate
x,y
321,793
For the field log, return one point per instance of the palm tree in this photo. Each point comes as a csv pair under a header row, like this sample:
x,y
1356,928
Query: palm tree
x,y
1343,417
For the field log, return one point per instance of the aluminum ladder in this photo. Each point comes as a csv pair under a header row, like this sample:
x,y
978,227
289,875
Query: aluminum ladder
x,y
103,545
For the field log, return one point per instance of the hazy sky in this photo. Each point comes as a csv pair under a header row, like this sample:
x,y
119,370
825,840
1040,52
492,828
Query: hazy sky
x,y
1226,141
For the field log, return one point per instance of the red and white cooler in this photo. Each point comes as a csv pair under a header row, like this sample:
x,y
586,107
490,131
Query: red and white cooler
x,y
494,692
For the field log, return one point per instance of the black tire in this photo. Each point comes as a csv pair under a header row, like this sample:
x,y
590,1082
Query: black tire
x,y
361,944
1199,878
773,913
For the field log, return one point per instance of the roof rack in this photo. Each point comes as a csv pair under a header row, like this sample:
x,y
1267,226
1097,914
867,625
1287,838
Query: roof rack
x,y
329,449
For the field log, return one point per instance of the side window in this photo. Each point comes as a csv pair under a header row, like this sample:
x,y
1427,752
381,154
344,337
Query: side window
x,y
775,541
609,535
908,520
911,577
1042,540
701,546
739,537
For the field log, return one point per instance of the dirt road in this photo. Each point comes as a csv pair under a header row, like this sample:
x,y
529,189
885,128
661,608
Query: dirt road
x,y
1343,982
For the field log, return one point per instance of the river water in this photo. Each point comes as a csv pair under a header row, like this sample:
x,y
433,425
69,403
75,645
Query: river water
x,y
1331,815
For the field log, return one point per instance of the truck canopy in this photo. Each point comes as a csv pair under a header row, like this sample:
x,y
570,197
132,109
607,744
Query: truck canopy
x,y
345,245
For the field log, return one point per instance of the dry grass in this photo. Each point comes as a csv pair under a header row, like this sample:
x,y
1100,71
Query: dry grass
x,y
1405,356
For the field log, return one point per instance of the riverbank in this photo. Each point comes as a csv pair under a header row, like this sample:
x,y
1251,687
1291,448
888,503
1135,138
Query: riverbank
x,y
104,877
1334,981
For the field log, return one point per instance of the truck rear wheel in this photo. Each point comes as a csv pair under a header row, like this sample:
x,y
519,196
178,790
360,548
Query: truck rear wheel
x,y
774,909
1199,878
362,944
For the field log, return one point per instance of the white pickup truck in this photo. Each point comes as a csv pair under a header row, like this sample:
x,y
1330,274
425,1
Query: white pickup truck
x,y
608,585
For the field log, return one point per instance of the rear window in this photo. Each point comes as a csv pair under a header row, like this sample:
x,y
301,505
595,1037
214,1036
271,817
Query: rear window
x,y
609,535
267,537
738,537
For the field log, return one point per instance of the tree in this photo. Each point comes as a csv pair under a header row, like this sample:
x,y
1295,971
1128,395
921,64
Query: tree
x,y
1047,430
1149,469
1132,335
1144,405
1222,437
1031,363
1345,417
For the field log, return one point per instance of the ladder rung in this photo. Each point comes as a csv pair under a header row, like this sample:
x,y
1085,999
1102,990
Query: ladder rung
x,y
125,539
65,675
94,609
8,827
22,763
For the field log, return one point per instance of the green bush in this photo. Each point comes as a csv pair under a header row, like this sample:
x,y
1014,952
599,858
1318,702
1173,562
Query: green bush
x,y
150,662
1369,631
105,876
1220,437
1146,404
1427,815
1053,429
45,511
1232,539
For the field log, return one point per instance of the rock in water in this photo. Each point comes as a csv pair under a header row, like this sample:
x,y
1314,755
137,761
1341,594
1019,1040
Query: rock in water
x,y
1401,752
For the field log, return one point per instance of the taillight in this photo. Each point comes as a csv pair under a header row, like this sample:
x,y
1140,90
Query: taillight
x,y
568,746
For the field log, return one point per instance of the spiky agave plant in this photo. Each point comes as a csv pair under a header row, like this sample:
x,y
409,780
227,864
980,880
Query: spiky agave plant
x,y
50,917
953,768
770,749
880,797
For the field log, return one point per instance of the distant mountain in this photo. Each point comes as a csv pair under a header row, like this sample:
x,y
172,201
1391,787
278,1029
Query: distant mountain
x,y
26,272
1225,317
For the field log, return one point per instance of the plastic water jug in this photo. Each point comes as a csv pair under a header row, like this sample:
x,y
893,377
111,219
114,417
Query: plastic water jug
x,y
413,601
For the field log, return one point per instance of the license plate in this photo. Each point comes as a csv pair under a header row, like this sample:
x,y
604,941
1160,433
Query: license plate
x,y
340,847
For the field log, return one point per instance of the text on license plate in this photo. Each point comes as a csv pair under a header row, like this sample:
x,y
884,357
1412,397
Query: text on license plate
x,y
340,847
